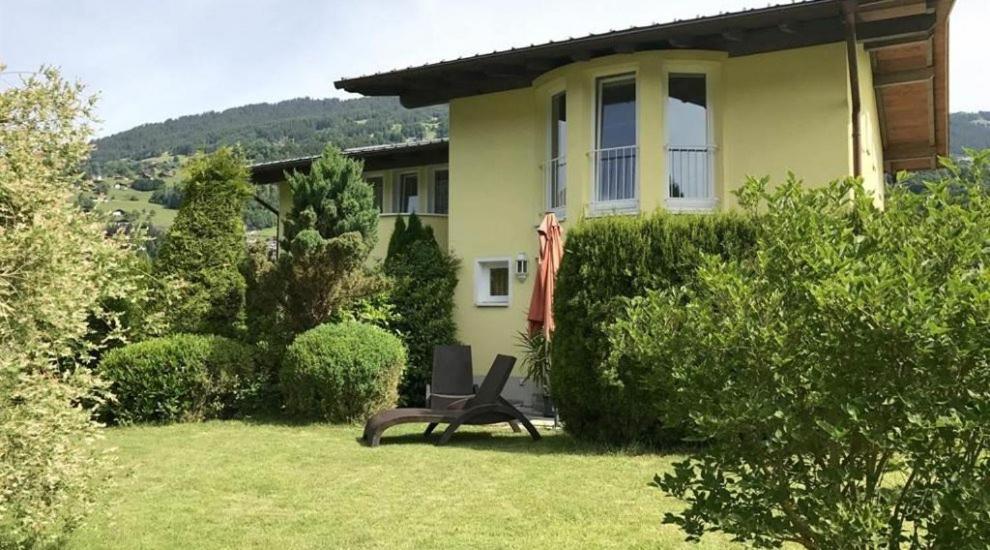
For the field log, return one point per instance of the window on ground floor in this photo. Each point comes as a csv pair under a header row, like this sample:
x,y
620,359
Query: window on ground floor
x,y
440,198
378,186
407,195
492,282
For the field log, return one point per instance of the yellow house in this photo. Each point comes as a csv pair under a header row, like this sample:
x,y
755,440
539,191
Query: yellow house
x,y
668,117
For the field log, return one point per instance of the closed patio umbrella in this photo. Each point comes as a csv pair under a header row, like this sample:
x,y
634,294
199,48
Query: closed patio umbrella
x,y
551,253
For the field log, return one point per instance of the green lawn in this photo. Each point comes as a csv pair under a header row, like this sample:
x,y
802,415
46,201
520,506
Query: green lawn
x,y
243,485
130,200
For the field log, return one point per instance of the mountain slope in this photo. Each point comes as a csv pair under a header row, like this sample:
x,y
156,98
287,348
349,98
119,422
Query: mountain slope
x,y
269,131
970,130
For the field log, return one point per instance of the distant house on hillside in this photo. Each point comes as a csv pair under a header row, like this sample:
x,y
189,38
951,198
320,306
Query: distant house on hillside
x,y
671,116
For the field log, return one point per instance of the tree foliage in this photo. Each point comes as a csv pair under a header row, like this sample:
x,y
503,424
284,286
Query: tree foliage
x,y
424,278
58,270
840,375
331,229
292,128
204,248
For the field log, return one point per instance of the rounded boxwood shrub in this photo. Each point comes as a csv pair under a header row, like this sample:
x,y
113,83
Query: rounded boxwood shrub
x,y
178,378
342,372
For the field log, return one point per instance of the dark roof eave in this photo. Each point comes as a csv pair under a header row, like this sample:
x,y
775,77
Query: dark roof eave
x,y
376,157
779,27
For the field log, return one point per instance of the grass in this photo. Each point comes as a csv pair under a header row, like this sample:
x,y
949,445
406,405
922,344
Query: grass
x,y
244,485
130,200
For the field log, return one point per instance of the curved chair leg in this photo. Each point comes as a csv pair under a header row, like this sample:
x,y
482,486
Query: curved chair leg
x,y
515,426
375,439
450,431
529,427
429,429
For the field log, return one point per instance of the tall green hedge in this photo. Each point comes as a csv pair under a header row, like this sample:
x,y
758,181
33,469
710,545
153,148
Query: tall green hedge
x,y
424,278
605,262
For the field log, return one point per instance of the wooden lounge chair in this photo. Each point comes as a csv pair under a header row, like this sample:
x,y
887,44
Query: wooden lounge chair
x,y
486,407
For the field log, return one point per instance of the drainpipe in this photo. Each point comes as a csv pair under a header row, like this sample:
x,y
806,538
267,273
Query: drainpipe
x,y
849,15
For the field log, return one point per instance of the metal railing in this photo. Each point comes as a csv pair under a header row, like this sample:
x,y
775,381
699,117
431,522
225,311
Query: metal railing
x,y
690,169
557,183
615,174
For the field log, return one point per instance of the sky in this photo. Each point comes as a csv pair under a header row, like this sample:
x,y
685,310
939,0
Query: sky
x,y
154,60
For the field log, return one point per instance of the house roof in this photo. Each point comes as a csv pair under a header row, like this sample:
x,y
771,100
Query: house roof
x,y
375,157
893,30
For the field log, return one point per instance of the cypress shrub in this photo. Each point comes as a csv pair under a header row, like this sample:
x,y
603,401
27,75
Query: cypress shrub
x,y
424,278
204,248
607,261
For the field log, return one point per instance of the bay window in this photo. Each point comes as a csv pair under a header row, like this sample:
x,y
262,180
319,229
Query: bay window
x,y
557,164
689,149
615,154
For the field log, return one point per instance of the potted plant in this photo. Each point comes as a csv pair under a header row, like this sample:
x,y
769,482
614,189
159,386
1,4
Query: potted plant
x,y
536,359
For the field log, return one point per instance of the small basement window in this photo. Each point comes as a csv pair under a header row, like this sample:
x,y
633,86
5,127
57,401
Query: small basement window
x,y
492,282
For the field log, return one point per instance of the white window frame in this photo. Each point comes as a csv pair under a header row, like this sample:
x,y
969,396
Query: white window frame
x,y
559,211
625,206
398,195
482,282
711,73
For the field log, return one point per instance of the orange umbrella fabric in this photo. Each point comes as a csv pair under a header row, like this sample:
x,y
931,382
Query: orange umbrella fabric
x,y
551,253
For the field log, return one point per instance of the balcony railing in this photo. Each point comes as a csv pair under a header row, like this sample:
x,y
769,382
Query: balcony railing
x,y
557,184
615,175
690,169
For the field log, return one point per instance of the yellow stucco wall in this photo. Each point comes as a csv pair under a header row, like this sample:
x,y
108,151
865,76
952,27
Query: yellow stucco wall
x,y
771,113
871,144
494,209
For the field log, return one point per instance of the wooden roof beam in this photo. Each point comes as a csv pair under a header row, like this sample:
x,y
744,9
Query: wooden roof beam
x,y
909,151
913,76
892,9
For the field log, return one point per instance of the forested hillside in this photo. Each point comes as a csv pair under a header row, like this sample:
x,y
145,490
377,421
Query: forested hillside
x,y
970,130
269,131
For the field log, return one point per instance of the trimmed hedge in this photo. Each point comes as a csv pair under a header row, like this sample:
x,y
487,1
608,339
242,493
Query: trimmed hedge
x,y
607,261
342,372
181,377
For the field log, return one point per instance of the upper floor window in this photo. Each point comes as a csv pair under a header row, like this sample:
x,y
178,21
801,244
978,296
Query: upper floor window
x,y
615,141
407,195
557,172
440,197
689,150
378,186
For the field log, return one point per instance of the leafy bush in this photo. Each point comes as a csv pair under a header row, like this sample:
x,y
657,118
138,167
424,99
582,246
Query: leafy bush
x,y
204,248
605,261
342,372
179,378
841,374
58,269
48,466
331,229
424,278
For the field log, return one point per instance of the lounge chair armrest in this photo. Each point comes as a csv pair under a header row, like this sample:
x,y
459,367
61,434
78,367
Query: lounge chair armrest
x,y
459,404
